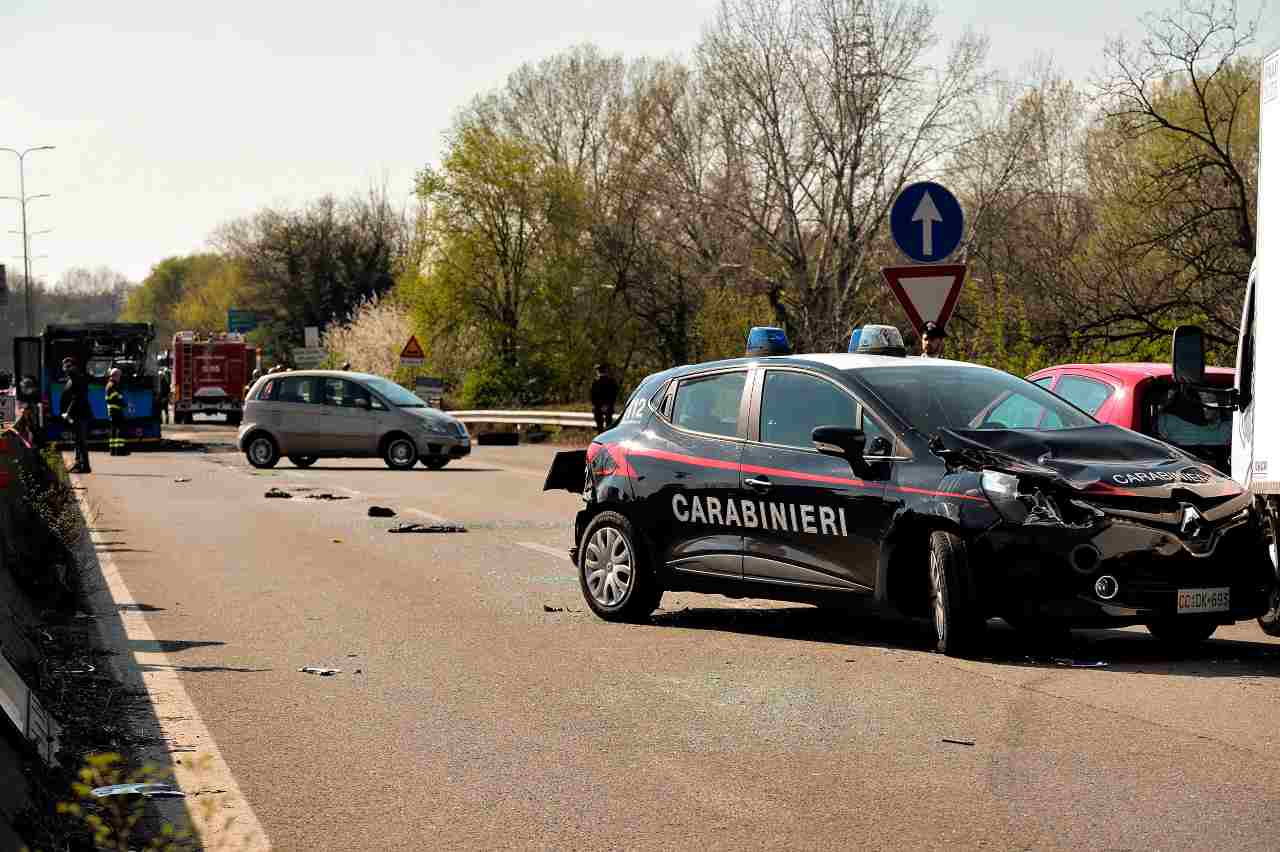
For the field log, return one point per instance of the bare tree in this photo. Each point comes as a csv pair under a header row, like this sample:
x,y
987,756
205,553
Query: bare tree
x,y
824,109
1179,142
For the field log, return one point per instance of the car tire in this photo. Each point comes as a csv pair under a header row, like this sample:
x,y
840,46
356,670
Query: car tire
x,y
262,451
302,461
1269,621
400,453
957,627
617,580
1184,631
434,462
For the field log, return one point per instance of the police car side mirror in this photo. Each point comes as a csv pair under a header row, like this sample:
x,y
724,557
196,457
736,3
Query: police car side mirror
x,y
843,441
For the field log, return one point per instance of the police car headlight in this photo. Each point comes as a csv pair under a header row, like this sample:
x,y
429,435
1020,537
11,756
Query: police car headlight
x,y
1002,490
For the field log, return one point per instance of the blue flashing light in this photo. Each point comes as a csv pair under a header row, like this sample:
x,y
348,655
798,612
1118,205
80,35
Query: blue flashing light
x,y
767,340
877,340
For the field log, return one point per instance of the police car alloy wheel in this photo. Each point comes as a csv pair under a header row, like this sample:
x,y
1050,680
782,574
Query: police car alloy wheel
x,y
617,581
400,454
955,626
262,452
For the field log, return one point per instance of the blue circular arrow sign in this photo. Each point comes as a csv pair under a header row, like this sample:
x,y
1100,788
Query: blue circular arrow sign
x,y
927,222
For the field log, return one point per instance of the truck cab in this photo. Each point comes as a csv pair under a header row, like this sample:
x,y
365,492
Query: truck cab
x,y
210,372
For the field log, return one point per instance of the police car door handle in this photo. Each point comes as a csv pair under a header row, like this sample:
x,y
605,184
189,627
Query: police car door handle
x,y
760,483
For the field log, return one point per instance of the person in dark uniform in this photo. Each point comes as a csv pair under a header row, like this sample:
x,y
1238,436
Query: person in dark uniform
x,y
74,408
932,340
163,382
115,412
604,396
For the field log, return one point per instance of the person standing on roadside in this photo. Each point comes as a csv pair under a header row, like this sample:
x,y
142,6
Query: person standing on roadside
x,y
115,412
932,340
604,396
162,393
75,410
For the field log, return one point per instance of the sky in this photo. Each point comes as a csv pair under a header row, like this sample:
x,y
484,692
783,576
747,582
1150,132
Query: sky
x,y
170,119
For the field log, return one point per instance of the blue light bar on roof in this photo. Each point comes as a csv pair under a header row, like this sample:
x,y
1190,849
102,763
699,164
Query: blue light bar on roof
x,y
767,340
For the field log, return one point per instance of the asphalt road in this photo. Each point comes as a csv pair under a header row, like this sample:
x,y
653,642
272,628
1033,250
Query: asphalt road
x,y
480,719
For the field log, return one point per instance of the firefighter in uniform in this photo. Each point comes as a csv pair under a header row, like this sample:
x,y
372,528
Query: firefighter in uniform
x,y
163,384
115,411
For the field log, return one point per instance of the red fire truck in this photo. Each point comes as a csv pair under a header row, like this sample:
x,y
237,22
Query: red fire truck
x,y
209,374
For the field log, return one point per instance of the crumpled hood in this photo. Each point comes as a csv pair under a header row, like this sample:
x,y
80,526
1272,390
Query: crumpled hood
x,y
1100,459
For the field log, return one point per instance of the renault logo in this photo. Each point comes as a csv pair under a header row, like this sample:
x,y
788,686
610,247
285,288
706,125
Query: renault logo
x,y
1192,522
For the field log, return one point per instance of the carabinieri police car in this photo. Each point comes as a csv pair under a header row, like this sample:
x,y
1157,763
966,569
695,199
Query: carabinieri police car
x,y
945,489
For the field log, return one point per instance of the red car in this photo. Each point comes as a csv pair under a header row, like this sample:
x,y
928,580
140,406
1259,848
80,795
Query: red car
x,y
1139,397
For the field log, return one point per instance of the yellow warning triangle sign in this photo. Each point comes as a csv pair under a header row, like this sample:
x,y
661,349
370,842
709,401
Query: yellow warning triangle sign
x,y
413,349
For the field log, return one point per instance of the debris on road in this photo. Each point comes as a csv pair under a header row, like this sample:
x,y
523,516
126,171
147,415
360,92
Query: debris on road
x,y
325,495
278,493
336,541
957,741
182,479
318,670
427,528
549,608
381,512
147,791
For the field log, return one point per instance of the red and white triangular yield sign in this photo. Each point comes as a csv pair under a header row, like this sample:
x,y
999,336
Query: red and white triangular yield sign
x,y
928,292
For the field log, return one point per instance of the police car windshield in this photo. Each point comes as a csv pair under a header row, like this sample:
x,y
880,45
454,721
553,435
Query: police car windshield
x,y
958,397
395,394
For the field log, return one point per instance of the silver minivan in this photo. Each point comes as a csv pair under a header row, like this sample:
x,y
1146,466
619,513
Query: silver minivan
x,y
307,415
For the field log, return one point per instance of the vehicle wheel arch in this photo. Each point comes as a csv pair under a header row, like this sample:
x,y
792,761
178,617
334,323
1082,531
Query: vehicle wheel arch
x,y
629,510
902,571
259,432
391,436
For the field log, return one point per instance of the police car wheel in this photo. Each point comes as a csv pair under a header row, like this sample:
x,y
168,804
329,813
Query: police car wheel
x,y
262,452
1269,621
400,453
617,581
1183,631
956,627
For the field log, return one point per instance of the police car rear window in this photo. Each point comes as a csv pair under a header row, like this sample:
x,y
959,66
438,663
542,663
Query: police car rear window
x,y
710,404
947,397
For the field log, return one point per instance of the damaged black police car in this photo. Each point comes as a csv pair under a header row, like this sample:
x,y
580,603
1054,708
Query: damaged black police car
x,y
948,490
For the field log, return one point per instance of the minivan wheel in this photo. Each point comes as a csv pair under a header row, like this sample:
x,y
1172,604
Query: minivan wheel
x,y
400,453
617,580
262,451
302,461
956,626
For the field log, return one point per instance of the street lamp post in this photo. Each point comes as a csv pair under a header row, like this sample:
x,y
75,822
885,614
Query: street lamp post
x,y
22,200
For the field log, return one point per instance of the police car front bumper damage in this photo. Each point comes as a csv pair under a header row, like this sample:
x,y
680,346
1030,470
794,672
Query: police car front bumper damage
x,y
1128,547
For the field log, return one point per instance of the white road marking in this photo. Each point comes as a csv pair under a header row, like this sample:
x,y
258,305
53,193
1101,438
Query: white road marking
x,y
179,721
558,553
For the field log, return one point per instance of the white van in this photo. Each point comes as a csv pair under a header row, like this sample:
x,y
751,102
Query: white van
x,y
1255,437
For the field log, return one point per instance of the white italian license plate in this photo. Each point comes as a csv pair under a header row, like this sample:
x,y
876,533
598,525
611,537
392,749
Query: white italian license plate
x,y
1204,600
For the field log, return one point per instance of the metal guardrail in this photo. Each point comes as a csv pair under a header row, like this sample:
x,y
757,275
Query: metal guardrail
x,y
577,419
